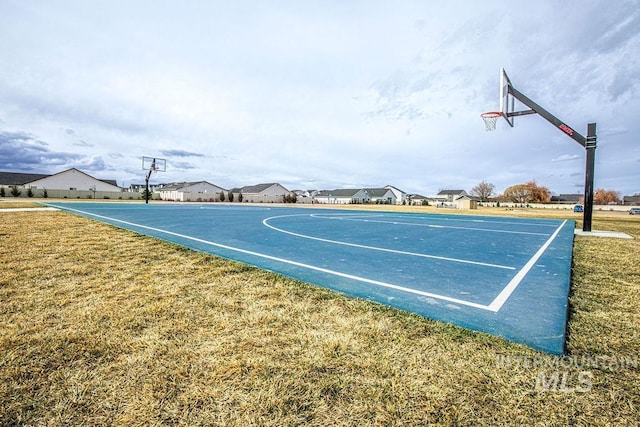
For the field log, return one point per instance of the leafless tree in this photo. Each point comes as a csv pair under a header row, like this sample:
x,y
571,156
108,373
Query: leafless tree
x,y
484,190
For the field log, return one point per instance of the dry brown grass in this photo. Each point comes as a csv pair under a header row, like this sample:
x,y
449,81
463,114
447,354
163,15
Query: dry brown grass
x,y
17,203
100,326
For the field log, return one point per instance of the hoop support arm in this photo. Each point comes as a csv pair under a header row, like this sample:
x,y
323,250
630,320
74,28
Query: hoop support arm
x,y
535,108
521,113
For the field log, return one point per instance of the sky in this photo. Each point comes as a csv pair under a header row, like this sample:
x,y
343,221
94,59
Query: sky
x,y
320,94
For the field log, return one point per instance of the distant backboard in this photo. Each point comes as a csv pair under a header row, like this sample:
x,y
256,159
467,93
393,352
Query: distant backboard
x,y
507,101
154,164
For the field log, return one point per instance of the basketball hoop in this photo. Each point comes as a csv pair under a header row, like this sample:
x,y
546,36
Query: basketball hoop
x,y
490,118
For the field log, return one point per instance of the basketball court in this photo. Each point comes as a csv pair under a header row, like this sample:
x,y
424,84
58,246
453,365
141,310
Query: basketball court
x,y
504,276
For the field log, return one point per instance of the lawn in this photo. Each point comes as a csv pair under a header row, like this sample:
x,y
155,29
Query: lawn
x,y
100,326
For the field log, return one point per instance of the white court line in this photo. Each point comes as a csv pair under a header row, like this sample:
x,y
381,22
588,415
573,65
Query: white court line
x,y
503,296
440,217
287,261
413,224
375,248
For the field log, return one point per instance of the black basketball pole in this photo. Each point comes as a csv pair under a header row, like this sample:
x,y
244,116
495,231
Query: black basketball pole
x,y
590,148
146,192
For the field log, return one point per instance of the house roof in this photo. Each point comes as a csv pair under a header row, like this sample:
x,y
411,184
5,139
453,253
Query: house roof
x,y
180,185
175,186
468,197
377,192
451,192
339,192
567,198
631,199
255,189
18,178
391,187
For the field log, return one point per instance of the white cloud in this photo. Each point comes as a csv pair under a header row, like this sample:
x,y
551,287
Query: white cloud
x,y
566,157
355,93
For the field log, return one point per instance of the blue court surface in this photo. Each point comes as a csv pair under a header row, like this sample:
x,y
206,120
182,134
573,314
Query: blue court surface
x,y
505,276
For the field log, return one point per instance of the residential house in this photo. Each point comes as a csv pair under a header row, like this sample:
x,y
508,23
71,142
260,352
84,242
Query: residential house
x,y
631,200
71,183
400,196
153,188
418,200
569,199
383,196
262,193
17,179
449,196
200,191
342,196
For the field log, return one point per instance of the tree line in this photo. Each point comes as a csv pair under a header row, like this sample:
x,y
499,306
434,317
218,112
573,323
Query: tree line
x,y
531,192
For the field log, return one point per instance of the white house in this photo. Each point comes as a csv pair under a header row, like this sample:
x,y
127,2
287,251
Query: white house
x,y
382,196
418,200
342,196
73,179
262,193
71,183
400,196
201,191
450,195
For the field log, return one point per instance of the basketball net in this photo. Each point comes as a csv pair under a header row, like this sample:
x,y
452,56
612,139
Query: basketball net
x,y
490,119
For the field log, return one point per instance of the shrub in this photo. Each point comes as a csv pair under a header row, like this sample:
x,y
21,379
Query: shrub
x,y
15,192
289,198
2,193
240,197
45,194
222,196
29,192
230,196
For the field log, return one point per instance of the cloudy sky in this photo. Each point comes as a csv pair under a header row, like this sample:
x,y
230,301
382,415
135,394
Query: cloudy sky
x,y
320,94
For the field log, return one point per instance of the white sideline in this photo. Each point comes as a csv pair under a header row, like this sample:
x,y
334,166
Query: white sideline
x,y
503,296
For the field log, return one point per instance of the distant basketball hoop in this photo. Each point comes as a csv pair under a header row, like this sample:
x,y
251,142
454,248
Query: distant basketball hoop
x,y
152,164
490,118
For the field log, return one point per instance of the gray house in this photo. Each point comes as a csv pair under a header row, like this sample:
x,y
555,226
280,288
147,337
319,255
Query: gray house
x,y
261,193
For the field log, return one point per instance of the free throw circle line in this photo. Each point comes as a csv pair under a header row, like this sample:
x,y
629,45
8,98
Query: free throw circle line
x,y
375,248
